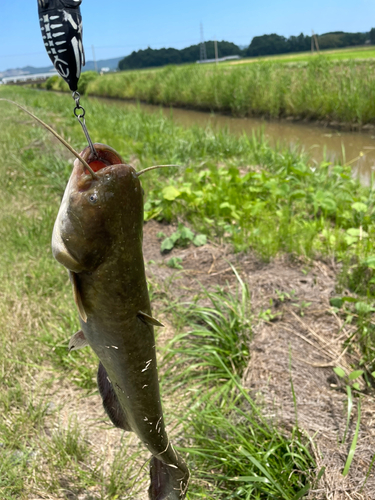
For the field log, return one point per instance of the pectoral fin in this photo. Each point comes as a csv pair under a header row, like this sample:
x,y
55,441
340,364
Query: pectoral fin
x,y
149,320
77,296
77,341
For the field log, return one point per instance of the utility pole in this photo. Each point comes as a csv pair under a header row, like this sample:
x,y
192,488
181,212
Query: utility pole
x,y
93,55
216,53
315,40
203,55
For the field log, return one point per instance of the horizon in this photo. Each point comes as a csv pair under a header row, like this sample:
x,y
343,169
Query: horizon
x,y
121,32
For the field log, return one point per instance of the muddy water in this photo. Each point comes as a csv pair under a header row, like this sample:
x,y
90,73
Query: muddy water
x,y
321,143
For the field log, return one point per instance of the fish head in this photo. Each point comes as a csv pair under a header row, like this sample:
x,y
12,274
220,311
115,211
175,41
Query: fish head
x,y
96,212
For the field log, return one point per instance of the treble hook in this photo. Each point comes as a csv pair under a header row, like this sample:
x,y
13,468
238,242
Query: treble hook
x,y
79,113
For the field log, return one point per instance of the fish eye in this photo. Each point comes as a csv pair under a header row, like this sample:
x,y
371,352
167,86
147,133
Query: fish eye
x,y
93,198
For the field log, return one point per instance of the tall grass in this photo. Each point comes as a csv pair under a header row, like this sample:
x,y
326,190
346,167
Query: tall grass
x,y
319,89
232,449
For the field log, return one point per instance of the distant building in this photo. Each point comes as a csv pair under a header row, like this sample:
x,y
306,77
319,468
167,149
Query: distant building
x,y
32,77
219,59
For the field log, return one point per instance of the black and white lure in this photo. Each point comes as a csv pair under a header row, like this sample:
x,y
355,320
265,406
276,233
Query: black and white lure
x,y
61,26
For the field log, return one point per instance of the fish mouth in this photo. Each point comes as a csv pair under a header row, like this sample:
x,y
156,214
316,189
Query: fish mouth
x,y
105,157
80,181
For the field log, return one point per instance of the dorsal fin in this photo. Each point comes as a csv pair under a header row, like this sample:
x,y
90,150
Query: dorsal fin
x,y
77,296
149,320
78,341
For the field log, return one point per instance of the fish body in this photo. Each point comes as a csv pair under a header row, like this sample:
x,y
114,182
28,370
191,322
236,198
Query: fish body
x,y
98,237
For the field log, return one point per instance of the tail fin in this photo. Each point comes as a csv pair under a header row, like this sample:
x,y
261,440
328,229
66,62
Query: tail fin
x,y
167,482
110,402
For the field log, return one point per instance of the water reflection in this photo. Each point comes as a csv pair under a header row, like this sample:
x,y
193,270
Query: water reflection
x,y
321,143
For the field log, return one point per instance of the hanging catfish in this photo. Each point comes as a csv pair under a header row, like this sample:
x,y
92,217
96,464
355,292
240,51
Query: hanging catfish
x,y
61,26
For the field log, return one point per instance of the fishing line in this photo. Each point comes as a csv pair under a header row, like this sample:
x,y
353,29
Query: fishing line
x,y
50,129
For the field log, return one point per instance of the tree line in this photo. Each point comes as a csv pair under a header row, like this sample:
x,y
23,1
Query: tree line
x,y
149,58
259,46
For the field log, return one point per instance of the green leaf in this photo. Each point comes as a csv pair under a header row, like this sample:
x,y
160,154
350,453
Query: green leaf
x,y
199,240
174,237
350,408
225,204
349,299
355,374
175,262
261,468
302,492
186,233
167,245
359,207
356,232
339,371
250,479
336,302
354,443
170,193
362,307
350,239
356,386
370,262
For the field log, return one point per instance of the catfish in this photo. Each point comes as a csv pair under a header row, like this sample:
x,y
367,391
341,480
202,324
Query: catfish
x,y
97,237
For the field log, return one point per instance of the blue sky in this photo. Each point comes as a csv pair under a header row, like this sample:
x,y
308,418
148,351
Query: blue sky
x,y
117,27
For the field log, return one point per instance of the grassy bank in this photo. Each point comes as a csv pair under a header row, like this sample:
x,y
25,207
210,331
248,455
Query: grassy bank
x,y
233,190
317,89
237,190
360,52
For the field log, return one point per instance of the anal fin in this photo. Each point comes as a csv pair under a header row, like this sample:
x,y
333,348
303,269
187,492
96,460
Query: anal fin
x,y
110,401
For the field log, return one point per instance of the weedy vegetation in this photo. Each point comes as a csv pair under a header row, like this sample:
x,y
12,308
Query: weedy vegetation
x,y
313,88
231,190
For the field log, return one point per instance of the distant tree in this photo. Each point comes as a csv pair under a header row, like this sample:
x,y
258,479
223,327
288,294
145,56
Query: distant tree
x,y
276,44
266,45
339,39
372,36
149,58
300,43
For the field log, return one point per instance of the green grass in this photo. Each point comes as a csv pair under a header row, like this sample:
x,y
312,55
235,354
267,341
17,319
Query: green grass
x,y
231,447
338,86
360,52
233,190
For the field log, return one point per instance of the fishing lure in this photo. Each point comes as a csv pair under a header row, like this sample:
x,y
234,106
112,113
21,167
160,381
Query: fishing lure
x,y
61,26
